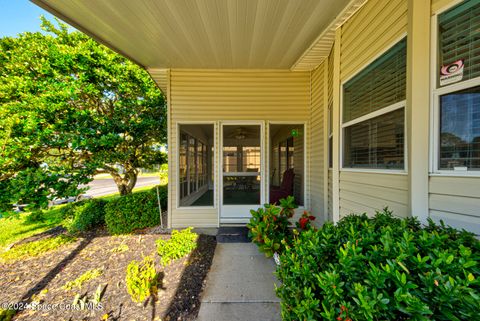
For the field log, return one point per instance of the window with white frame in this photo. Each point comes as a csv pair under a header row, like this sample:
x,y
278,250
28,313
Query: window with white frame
x,y
195,159
373,114
457,93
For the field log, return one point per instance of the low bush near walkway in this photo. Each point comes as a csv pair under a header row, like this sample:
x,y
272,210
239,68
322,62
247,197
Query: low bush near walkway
x,y
134,211
180,244
269,226
380,268
141,279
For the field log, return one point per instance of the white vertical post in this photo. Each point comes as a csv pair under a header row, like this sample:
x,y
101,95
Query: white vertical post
x,y
418,105
336,127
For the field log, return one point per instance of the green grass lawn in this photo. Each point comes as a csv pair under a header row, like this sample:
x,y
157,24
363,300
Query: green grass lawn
x,y
17,228
35,248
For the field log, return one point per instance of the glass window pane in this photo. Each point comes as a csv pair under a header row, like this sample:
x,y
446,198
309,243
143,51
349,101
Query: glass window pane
x,y
330,152
241,165
192,164
287,164
459,38
376,143
460,130
195,168
183,165
381,84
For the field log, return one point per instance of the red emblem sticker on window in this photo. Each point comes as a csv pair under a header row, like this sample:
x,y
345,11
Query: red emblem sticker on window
x,y
452,73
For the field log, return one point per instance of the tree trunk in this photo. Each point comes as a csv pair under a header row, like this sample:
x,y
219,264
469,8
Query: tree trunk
x,y
126,183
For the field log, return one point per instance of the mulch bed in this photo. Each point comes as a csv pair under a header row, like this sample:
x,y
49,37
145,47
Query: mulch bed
x,y
180,284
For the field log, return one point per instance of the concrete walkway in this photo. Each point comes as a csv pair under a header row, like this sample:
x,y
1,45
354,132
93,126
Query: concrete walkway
x,y
240,286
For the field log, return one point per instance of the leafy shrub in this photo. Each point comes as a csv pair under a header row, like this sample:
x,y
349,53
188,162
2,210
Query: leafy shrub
x,y
380,268
141,279
35,217
180,244
134,211
270,225
85,215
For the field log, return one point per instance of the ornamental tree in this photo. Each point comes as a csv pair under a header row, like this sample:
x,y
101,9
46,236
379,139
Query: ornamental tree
x,y
71,108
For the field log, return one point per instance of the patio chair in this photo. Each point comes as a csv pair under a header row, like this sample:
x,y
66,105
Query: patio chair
x,y
285,189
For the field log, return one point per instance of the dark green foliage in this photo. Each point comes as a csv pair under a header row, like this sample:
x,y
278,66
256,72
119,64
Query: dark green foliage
x,y
35,217
85,215
270,225
380,268
134,211
71,108
179,245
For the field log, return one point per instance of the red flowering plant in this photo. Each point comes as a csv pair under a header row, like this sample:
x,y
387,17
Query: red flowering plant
x,y
305,222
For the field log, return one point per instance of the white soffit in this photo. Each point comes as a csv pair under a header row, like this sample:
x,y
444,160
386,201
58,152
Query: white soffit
x,y
209,34
321,47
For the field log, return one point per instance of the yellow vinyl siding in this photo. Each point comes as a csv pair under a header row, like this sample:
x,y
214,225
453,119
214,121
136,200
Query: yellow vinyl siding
x,y
456,201
317,150
367,192
373,28
440,4
215,96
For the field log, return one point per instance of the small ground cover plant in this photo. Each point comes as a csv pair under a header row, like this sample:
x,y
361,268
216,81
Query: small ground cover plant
x,y
7,315
180,244
82,279
35,248
380,268
141,279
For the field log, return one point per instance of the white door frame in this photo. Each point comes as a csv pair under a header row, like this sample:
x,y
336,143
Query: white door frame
x,y
225,211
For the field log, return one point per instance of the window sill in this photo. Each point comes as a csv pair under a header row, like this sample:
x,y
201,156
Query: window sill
x,y
188,208
455,174
375,171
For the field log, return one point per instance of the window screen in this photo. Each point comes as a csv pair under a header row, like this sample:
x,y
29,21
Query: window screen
x,y
381,84
376,143
460,130
459,37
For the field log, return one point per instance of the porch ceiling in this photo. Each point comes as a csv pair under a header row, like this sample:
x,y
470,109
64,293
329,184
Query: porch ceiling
x,y
216,34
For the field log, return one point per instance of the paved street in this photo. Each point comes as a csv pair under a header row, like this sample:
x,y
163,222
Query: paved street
x,y
107,186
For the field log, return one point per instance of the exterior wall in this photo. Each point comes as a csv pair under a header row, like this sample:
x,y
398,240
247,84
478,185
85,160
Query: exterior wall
x,y
456,201
212,96
317,150
366,193
375,27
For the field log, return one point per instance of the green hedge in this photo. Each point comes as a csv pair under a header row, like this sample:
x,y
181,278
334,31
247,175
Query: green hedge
x,y
380,268
135,211
84,215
